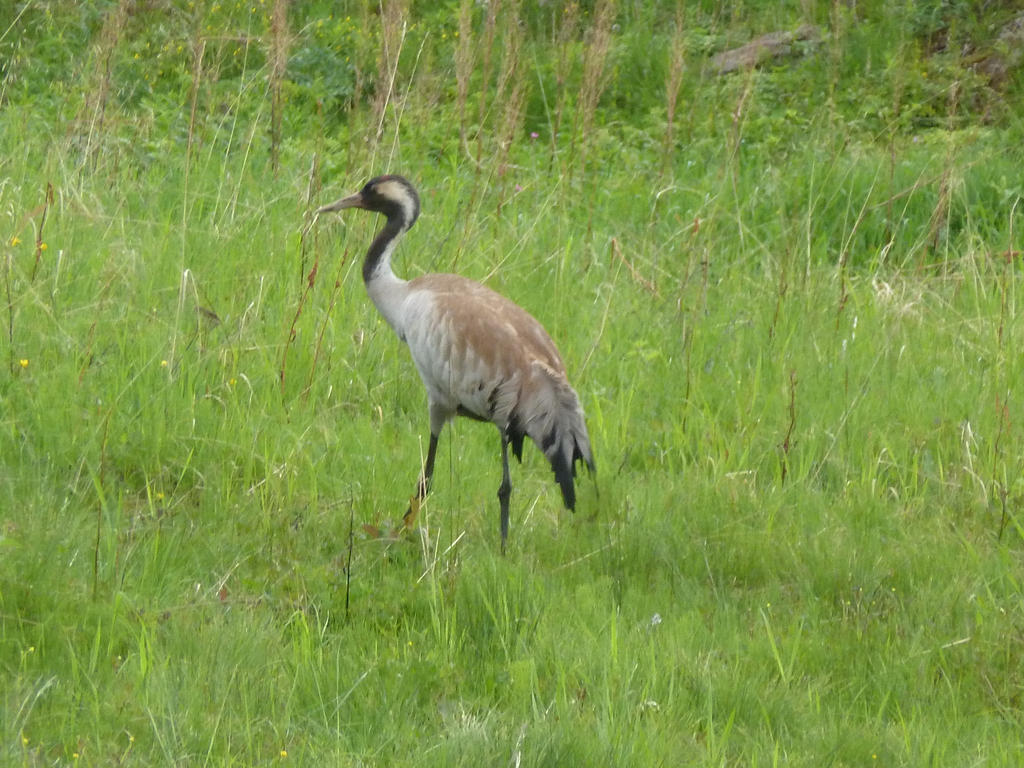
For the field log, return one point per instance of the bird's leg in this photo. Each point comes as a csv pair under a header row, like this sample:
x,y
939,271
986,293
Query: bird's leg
x,y
504,490
409,519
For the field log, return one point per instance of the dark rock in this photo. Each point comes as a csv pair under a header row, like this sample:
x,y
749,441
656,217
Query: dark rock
x,y
763,49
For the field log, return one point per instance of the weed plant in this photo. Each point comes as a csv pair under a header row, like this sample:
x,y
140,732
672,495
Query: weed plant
x,y
788,298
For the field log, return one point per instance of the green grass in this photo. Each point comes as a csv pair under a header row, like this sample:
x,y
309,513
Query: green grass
x,y
798,351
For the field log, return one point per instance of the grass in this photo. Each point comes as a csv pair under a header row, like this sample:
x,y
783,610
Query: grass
x,y
797,351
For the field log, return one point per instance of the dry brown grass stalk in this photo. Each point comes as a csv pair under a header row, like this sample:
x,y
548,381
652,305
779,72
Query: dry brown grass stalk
x,y
512,123
595,54
361,52
490,31
318,348
279,44
938,224
840,18
787,441
1006,279
780,296
198,50
567,28
844,254
392,16
673,82
98,90
40,243
738,118
293,328
312,190
510,74
465,57
8,266
646,284
513,82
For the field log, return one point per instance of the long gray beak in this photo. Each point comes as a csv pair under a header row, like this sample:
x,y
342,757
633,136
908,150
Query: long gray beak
x,y
352,201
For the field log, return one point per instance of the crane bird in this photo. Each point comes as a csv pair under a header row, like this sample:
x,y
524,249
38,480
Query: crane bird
x,y
479,354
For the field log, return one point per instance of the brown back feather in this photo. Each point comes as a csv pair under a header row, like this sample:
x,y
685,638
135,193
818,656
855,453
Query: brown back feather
x,y
525,370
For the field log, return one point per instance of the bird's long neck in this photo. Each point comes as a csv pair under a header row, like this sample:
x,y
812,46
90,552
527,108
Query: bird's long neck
x,y
378,257
386,290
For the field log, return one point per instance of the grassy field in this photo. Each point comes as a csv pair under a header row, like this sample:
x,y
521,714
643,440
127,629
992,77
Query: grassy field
x,y
789,299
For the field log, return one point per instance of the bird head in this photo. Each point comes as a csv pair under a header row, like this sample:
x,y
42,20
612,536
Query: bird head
x,y
390,195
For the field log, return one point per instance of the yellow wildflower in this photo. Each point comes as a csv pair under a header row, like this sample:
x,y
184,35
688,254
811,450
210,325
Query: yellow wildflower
x,y
15,241
23,362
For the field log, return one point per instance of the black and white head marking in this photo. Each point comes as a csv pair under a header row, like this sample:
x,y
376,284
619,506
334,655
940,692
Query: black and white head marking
x,y
393,196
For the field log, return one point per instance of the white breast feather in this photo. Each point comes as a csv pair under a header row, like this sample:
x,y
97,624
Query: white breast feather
x,y
452,372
